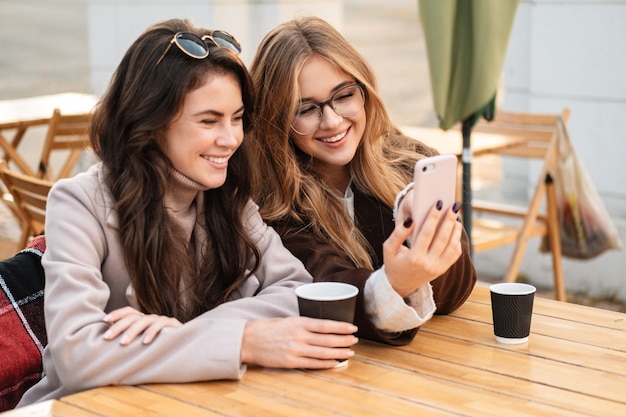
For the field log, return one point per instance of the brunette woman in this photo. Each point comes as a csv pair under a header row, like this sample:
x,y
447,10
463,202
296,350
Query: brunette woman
x,y
158,265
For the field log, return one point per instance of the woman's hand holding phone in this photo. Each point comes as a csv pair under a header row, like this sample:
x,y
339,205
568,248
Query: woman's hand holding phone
x,y
432,227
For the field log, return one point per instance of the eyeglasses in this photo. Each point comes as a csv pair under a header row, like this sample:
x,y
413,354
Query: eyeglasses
x,y
198,48
346,102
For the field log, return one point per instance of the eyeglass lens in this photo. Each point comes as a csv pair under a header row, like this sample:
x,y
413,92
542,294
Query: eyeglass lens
x,y
224,40
346,102
192,45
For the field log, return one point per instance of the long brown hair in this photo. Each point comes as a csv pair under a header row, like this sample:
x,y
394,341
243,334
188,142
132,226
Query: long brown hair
x,y
285,182
127,130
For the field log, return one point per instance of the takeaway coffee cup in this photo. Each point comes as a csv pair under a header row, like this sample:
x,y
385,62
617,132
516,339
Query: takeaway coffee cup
x,y
512,308
328,300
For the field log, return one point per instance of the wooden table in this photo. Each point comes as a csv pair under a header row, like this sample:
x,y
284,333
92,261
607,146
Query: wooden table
x,y
451,141
24,113
573,365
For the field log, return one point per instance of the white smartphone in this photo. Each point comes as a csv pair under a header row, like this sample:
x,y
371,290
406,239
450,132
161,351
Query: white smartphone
x,y
434,179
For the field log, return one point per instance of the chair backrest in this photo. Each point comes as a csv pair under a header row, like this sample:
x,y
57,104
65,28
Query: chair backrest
x,y
30,195
66,132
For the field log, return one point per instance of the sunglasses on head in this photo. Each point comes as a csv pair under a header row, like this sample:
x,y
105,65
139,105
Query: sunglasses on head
x,y
198,47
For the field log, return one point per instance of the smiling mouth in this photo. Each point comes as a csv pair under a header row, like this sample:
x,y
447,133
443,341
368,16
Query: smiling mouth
x,y
216,159
335,138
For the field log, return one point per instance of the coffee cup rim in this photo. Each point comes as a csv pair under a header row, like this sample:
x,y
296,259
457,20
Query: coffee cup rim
x,y
512,288
342,291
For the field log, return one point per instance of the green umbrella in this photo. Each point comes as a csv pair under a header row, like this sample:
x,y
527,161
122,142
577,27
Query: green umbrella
x,y
466,43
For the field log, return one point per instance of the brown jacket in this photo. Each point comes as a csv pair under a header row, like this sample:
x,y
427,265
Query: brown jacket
x,y
375,221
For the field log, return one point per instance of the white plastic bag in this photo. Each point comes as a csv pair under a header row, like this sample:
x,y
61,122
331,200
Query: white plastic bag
x,y
585,226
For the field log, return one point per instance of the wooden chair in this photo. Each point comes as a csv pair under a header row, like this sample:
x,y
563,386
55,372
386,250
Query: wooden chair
x,y
488,230
30,195
66,132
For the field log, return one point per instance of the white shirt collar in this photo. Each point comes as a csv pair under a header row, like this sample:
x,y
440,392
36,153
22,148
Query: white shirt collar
x,y
348,198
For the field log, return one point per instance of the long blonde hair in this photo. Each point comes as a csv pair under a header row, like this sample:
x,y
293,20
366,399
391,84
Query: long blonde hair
x,y
285,183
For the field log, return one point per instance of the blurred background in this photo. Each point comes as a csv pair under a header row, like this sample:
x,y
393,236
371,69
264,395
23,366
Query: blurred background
x,y
566,53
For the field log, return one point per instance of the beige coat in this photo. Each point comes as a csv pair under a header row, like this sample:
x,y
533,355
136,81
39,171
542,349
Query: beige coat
x,y
86,278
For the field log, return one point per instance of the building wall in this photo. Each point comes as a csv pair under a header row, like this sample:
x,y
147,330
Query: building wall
x,y
114,24
572,53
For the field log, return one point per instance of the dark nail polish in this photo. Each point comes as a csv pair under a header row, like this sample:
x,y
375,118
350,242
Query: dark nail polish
x,y
439,204
456,207
458,219
408,222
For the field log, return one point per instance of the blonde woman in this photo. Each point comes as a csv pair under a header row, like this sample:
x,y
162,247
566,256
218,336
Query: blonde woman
x,y
332,165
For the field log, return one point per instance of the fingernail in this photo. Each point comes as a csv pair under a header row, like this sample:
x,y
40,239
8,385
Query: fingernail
x,y
408,222
456,207
458,219
107,335
439,204
106,318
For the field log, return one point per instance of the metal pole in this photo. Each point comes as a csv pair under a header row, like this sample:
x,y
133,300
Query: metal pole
x,y
466,159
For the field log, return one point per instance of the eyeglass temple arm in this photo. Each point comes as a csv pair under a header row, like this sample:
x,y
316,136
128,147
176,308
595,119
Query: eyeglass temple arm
x,y
165,52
